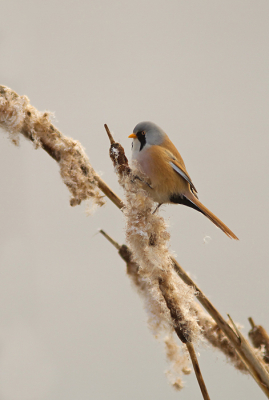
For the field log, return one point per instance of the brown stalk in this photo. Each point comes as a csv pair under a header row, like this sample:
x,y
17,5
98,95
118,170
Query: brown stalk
x,y
109,192
217,338
197,370
242,346
182,332
112,241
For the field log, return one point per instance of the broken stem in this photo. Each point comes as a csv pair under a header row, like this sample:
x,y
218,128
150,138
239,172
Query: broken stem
x,y
109,238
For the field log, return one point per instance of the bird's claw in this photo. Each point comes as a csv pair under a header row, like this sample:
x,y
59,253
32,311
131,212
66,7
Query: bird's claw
x,y
141,180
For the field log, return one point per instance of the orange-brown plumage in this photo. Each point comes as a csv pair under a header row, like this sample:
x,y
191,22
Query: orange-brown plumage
x,y
154,162
169,180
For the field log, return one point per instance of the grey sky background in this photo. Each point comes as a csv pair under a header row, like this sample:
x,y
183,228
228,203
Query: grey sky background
x,y
71,325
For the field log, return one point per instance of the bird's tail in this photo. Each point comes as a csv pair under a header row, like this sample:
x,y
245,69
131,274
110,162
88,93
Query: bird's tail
x,y
211,216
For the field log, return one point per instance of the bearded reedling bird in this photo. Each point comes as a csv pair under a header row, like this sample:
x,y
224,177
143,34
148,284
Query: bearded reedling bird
x,y
169,180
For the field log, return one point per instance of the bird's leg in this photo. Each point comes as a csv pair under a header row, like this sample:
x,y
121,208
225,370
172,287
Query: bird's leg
x,y
159,205
141,180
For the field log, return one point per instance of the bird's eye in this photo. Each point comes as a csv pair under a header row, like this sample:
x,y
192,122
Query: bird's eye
x,y
143,133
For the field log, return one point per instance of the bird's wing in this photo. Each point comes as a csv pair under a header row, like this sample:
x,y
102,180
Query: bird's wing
x,y
179,169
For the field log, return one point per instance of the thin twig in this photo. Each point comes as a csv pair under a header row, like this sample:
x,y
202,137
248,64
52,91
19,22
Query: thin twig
x,y
109,192
180,327
112,141
109,238
251,322
197,370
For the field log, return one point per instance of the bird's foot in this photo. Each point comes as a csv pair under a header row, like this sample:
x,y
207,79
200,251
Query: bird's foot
x,y
135,177
159,205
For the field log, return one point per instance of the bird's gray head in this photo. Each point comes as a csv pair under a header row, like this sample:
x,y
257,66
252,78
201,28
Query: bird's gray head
x,y
148,133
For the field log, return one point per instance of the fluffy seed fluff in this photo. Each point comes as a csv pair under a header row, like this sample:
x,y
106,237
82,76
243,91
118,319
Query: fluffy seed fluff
x,y
17,116
148,239
214,336
160,325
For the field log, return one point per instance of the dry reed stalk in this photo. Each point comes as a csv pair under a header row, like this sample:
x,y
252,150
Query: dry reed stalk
x,y
17,116
197,370
215,336
252,360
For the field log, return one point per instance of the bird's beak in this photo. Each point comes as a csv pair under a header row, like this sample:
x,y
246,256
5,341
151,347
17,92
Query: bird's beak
x,y
133,135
